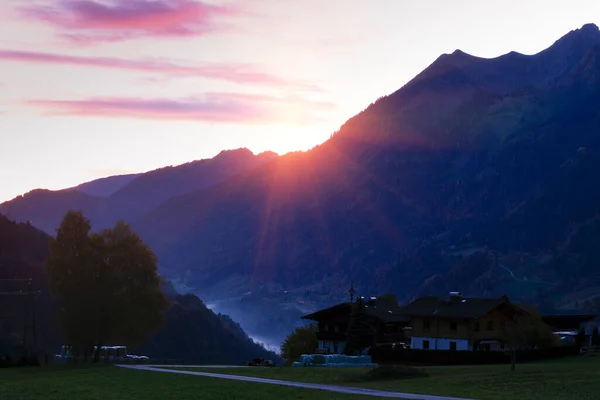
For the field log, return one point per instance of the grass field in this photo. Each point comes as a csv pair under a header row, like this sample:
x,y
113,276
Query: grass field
x,y
108,382
570,378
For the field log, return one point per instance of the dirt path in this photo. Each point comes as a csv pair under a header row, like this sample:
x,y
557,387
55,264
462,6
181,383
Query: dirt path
x,y
304,385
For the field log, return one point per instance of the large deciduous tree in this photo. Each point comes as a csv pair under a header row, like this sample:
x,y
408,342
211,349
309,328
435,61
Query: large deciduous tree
x,y
302,341
107,283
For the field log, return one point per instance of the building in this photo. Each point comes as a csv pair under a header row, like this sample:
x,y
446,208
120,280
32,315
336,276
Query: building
x,y
390,324
452,322
455,322
567,326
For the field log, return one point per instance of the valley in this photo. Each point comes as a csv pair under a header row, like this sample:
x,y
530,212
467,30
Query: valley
x,y
479,176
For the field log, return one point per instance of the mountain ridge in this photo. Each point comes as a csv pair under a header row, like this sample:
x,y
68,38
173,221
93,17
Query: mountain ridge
x,y
135,196
473,168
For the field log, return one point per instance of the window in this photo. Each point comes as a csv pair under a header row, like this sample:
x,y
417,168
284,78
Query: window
x,y
453,346
336,328
502,324
476,326
426,344
490,326
326,328
425,324
453,326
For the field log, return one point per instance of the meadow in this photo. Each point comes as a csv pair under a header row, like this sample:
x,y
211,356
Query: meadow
x,y
568,378
110,382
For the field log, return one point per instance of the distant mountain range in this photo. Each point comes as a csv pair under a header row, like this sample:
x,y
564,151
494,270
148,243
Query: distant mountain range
x,y
479,175
104,187
128,197
192,332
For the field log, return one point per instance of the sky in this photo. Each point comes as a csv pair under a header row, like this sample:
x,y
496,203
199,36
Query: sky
x,y
92,88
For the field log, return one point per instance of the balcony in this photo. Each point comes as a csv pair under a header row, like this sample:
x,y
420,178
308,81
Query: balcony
x,y
331,336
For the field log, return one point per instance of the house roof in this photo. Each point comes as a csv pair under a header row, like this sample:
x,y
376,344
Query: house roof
x,y
457,307
342,308
383,311
567,320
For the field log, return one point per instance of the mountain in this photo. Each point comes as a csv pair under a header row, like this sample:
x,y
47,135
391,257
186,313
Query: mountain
x,y
104,187
127,197
479,175
192,332
439,186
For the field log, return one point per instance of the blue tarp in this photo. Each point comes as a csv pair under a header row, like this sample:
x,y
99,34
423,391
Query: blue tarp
x,y
333,360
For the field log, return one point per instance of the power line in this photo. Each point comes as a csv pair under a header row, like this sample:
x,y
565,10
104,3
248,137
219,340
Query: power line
x,y
29,317
20,293
15,279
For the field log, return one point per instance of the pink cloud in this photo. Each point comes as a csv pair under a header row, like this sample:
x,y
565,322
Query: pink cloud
x,y
210,107
238,73
92,21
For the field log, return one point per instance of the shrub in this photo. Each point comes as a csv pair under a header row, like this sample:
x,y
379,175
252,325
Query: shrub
x,y
447,357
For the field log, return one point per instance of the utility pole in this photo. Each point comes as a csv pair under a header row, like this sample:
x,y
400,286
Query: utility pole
x,y
29,317
29,309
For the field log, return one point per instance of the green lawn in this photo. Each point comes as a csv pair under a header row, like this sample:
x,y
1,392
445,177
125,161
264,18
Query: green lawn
x,y
108,382
569,378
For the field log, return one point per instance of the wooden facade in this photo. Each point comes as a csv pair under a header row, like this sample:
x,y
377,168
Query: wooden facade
x,y
456,332
333,322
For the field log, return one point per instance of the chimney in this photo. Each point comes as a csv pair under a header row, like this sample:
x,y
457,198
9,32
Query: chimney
x,y
453,296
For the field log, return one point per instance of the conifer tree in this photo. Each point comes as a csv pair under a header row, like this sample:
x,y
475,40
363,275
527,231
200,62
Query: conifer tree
x,y
361,332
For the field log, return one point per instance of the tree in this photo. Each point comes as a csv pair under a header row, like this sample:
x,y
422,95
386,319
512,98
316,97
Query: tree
x,y
107,283
528,332
302,340
388,298
595,337
361,332
580,339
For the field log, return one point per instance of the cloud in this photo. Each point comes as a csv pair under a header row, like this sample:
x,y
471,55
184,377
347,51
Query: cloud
x,y
233,72
208,108
90,21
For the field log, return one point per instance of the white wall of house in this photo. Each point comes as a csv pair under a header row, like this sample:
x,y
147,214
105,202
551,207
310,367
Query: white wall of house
x,y
330,346
442,343
491,345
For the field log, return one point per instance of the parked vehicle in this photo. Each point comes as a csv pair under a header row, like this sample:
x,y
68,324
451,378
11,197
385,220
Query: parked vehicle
x,y
260,362
107,353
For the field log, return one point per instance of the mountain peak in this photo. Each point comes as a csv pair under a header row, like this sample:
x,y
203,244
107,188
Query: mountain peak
x,y
243,151
591,27
588,34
